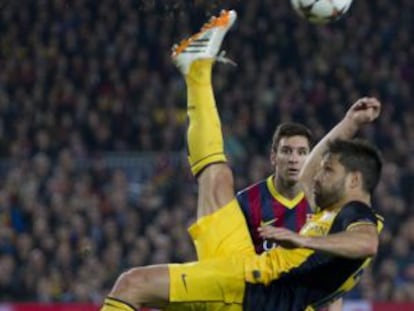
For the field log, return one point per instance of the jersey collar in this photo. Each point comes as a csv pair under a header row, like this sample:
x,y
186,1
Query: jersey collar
x,y
289,203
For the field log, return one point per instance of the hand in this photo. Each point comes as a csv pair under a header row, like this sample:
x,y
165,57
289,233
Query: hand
x,y
282,236
364,110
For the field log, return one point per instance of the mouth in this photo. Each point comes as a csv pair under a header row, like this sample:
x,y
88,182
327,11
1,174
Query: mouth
x,y
293,171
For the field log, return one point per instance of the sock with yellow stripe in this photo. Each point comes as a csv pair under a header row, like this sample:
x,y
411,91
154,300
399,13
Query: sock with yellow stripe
x,y
204,135
112,304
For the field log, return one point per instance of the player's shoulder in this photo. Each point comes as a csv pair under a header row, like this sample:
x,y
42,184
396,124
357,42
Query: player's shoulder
x,y
357,206
355,212
252,187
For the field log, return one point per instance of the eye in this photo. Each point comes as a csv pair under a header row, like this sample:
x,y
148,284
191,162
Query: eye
x,y
286,150
303,152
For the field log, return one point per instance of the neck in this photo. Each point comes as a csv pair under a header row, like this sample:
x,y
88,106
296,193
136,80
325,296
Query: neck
x,y
288,190
353,196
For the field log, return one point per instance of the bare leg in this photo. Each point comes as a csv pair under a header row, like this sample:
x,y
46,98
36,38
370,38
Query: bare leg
x,y
138,287
215,189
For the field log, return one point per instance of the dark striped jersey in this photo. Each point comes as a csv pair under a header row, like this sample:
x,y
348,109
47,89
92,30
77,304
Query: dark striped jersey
x,y
262,204
304,279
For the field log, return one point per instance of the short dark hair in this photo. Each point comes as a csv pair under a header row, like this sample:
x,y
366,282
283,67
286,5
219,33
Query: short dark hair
x,y
289,129
359,155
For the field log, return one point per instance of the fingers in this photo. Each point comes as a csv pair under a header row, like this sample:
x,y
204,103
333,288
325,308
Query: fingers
x,y
266,231
364,110
367,102
372,102
272,232
282,236
373,106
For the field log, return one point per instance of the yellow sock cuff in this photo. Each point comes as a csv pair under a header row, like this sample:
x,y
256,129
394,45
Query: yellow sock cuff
x,y
113,304
197,167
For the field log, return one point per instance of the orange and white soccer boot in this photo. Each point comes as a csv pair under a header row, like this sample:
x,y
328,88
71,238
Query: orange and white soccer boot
x,y
206,43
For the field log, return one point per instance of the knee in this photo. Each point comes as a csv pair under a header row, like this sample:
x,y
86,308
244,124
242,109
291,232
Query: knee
x,y
143,286
128,286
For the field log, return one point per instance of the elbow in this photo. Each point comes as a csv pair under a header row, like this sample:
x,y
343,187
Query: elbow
x,y
371,248
369,251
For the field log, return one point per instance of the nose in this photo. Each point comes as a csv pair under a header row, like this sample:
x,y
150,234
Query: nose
x,y
294,157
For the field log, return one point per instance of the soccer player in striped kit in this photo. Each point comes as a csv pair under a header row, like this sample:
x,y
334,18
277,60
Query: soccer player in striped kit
x,y
278,199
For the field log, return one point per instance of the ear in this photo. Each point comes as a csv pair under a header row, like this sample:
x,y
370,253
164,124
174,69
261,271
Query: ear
x,y
273,157
354,180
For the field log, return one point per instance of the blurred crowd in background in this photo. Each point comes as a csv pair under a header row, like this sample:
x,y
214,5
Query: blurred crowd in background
x,y
93,173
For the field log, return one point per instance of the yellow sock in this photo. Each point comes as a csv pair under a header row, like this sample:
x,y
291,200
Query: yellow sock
x,y
112,304
204,135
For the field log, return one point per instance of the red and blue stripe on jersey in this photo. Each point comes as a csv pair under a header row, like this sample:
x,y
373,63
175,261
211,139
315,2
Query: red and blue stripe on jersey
x,y
262,204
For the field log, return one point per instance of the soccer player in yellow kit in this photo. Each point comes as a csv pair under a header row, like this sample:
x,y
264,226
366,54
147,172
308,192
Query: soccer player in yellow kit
x,y
310,269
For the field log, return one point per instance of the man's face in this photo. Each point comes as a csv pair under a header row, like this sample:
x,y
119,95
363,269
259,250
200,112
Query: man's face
x,y
289,157
329,182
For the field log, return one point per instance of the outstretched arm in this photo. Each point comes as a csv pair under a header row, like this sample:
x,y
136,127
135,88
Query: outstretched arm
x,y
358,241
363,111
